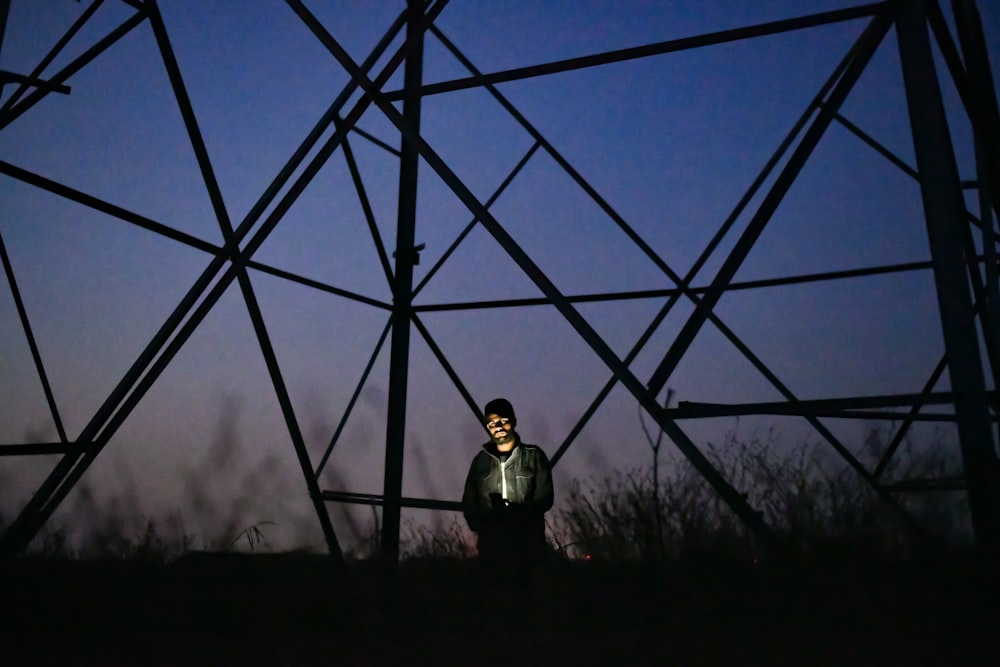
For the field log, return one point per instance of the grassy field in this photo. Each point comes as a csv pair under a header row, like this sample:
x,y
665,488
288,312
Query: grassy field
x,y
646,568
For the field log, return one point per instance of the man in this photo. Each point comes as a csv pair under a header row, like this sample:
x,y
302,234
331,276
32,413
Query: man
x,y
507,491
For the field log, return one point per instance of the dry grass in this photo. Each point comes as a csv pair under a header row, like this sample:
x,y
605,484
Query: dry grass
x,y
814,506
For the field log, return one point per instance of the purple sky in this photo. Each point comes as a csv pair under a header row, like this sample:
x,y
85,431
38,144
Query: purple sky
x,y
671,142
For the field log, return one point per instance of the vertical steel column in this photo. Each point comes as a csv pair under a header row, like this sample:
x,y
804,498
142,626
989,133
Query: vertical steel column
x,y
987,136
4,11
944,210
981,97
402,292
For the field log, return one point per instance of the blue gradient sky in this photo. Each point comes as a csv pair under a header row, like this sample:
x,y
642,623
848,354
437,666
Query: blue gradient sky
x,y
672,142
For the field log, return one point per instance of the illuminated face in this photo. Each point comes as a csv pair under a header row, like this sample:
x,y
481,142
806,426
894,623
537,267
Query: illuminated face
x,y
501,430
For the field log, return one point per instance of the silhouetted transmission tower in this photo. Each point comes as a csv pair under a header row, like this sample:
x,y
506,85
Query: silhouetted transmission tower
x,y
962,248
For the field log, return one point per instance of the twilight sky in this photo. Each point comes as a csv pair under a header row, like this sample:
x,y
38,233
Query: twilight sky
x,y
670,142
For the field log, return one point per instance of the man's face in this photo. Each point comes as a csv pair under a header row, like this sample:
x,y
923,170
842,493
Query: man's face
x,y
501,429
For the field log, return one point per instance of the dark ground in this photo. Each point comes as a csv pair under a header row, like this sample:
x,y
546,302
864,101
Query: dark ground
x,y
297,610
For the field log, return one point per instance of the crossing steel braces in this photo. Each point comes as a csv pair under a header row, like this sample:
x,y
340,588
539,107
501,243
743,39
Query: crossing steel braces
x,y
966,281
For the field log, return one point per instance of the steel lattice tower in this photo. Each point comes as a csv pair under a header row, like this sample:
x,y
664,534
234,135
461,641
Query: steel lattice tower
x,y
967,284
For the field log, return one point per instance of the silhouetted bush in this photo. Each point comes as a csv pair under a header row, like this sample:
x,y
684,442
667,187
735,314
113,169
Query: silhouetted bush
x,y
815,508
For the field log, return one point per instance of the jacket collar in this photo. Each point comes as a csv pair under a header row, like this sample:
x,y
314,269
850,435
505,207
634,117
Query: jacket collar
x,y
491,448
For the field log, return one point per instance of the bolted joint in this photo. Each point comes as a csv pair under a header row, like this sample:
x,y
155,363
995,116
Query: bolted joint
x,y
411,255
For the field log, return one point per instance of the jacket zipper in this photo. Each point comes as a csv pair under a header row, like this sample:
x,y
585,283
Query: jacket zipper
x,y
503,481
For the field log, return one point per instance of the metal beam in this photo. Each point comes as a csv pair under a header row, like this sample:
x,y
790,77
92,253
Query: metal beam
x,y
376,141
377,500
472,223
36,73
977,63
11,113
402,291
985,128
736,500
646,395
42,84
868,43
828,407
909,419
671,46
316,284
41,448
4,13
944,210
366,208
243,278
179,326
446,365
354,398
879,148
683,283
107,208
677,291
36,356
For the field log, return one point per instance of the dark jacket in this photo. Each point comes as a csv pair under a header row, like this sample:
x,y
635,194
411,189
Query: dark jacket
x,y
505,502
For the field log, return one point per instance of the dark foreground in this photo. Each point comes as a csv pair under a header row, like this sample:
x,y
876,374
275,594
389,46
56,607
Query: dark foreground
x,y
297,610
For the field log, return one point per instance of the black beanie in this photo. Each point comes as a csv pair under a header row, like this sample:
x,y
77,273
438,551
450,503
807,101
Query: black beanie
x,y
500,407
